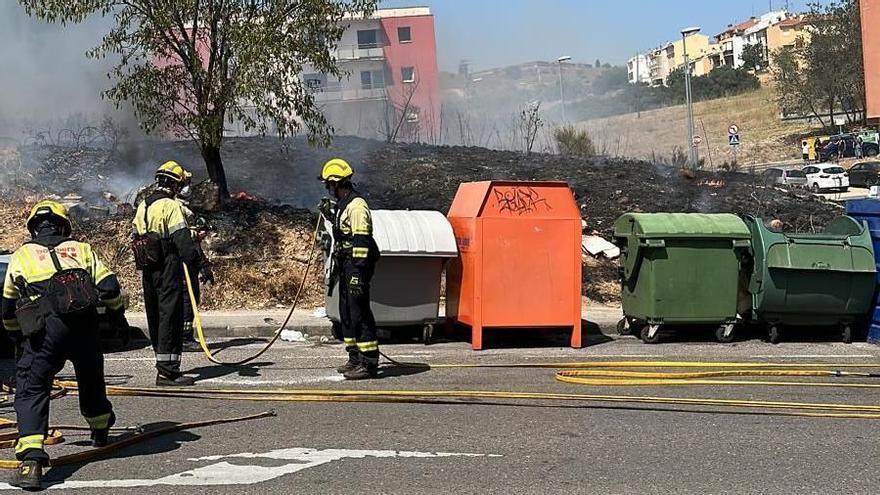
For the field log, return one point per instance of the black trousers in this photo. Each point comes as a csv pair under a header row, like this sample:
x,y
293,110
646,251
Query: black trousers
x,y
356,318
163,301
188,313
43,356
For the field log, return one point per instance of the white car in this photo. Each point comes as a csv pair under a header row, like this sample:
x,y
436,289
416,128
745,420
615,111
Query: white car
x,y
826,176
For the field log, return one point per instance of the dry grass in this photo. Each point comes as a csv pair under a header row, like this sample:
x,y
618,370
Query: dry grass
x,y
764,137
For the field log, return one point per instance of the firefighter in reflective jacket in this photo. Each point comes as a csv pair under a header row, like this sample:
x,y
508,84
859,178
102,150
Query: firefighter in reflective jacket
x,y
160,215
50,293
355,257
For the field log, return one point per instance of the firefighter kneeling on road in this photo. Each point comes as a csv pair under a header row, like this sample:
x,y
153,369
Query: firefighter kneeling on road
x,y
50,296
354,260
161,243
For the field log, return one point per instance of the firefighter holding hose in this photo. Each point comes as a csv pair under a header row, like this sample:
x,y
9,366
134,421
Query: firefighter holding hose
x,y
50,296
161,243
354,257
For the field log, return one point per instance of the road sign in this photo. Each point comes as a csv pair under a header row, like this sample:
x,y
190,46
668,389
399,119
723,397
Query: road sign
x,y
697,140
733,129
733,139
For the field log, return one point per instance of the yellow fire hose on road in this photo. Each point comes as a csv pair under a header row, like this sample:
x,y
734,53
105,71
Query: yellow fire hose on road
x,y
593,373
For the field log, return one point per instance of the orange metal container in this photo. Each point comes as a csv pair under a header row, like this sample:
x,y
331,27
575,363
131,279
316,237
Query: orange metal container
x,y
519,259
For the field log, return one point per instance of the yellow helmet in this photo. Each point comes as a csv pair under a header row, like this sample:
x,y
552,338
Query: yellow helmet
x,y
173,171
48,209
335,170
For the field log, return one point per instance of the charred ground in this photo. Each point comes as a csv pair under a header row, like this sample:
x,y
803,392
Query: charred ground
x,y
260,242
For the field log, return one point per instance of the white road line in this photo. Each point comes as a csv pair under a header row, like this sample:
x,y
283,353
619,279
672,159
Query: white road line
x,y
810,356
244,473
290,381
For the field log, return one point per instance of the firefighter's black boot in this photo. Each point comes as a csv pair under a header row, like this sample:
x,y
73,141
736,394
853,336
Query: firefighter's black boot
x,y
190,345
29,476
362,372
178,381
101,437
348,366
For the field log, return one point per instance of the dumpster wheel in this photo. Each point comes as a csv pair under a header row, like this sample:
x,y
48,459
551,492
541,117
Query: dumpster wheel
x,y
773,334
650,334
846,333
725,333
428,333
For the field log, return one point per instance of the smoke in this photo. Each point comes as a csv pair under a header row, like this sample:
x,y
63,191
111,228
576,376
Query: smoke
x,y
46,78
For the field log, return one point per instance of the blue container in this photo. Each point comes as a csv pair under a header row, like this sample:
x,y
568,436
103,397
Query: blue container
x,y
868,210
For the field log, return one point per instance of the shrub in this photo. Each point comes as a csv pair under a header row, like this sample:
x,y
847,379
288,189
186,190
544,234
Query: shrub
x,y
573,141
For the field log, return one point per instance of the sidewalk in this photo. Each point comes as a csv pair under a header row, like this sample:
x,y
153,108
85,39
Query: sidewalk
x,y
312,323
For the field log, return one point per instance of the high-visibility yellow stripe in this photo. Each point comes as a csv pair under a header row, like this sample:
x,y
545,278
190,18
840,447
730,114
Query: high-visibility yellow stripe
x,y
114,303
372,345
11,325
348,341
29,442
360,252
99,422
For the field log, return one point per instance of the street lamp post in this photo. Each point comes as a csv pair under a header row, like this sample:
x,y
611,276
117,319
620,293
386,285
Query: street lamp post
x,y
561,90
688,95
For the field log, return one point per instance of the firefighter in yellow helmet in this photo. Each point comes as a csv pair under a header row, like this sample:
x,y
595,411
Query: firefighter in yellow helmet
x,y
50,293
161,243
355,257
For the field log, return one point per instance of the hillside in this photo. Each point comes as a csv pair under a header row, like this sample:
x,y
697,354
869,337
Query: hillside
x,y
764,137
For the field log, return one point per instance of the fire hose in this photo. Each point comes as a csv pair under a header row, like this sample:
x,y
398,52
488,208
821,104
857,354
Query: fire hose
x,y
592,373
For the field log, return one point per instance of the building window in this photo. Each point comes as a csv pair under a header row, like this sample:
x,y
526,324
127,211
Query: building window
x,y
315,81
369,38
408,74
372,79
404,34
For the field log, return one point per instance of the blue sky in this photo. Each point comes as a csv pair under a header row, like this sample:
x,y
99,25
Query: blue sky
x,y
493,33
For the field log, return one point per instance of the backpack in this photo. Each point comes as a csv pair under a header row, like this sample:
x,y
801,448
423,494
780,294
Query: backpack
x,y
147,247
69,291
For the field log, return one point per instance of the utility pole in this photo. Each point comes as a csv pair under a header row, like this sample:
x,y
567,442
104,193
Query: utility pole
x,y
638,89
559,61
692,155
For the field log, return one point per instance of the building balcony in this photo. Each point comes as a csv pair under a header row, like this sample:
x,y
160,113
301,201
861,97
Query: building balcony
x,y
360,52
336,92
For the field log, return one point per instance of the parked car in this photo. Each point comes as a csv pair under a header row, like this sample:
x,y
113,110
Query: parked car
x,y
865,174
844,146
826,176
787,178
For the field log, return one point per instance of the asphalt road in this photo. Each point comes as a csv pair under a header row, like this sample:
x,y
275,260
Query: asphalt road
x,y
511,447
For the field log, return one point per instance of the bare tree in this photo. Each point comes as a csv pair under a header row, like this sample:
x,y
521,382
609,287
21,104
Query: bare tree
x,y
529,124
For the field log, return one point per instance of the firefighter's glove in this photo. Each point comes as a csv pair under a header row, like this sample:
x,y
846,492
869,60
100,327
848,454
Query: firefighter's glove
x,y
356,285
325,206
206,276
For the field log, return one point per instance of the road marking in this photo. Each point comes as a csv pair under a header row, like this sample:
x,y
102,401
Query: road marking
x,y
808,356
290,381
130,359
243,473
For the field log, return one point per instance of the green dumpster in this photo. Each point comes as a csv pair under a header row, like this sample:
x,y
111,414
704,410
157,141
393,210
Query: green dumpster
x,y
812,279
680,268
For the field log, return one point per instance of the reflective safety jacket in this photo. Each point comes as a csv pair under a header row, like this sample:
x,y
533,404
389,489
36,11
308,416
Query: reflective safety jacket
x,y
33,264
353,231
165,217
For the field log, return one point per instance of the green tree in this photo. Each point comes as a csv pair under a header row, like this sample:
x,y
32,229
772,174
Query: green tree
x,y
824,76
753,57
191,66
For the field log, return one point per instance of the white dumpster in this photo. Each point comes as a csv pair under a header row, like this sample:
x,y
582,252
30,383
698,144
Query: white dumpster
x,y
405,291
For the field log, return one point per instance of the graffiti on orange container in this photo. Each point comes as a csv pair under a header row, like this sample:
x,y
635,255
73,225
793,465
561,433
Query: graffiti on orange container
x,y
520,201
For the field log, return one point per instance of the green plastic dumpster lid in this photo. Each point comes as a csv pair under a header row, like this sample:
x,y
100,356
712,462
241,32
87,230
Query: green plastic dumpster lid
x,y
681,225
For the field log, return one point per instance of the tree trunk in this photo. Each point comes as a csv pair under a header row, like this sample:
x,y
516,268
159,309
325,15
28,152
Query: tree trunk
x,y
214,164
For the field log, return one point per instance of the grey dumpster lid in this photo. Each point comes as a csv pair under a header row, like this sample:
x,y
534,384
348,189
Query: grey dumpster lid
x,y
413,233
